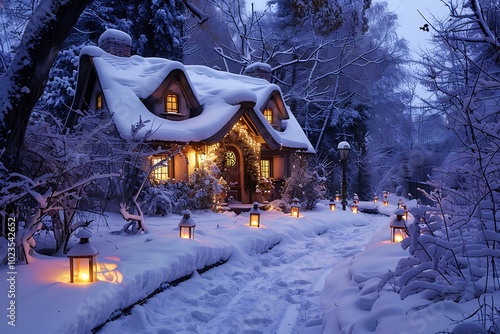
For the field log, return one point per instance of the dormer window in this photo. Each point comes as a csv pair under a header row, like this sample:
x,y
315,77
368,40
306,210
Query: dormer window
x,y
172,103
98,101
268,114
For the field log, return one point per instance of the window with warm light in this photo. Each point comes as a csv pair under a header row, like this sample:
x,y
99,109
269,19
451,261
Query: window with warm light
x,y
230,159
161,173
268,114
265,168
171,103
98,101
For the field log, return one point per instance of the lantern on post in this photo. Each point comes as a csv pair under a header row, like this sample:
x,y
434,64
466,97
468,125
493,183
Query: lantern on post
x,y
186,225
386,198
255,215
398,226
354,207
332,205
344,149
295,207
83,259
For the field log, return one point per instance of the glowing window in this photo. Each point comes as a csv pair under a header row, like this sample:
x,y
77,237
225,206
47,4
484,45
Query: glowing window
x,y
161,173
230,159
171,103
268,114
98,101
265,168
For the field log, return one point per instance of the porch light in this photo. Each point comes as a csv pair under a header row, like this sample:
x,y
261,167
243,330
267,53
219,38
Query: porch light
x,y
83,259
255,215
398,227
332,205
295,207
186,225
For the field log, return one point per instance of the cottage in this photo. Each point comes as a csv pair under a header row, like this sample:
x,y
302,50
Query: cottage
x,y
209,112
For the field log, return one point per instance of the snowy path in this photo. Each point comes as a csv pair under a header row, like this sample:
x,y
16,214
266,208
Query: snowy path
x,y
274,292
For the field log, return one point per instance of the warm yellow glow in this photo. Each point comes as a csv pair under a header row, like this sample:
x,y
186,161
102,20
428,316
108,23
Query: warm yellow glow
x,y
185,233
375,200
254,220
386,202
337,198
108,272
398,238
354,209
295,212
84,277
332,206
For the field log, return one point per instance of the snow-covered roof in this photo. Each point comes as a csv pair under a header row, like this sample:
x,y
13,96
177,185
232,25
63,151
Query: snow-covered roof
x,y
126,81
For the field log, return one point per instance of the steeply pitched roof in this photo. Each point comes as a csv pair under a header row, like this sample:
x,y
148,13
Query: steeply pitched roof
x,y
126,81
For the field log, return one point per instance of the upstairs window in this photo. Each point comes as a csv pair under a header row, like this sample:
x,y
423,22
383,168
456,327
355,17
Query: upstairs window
x,y
265,168
171,103
162,173
98,101
268,114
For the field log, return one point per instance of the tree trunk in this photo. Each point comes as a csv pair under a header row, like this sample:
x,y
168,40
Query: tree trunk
x,y
23,83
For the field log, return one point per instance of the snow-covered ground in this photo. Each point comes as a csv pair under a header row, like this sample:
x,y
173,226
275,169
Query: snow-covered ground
x,y
311,274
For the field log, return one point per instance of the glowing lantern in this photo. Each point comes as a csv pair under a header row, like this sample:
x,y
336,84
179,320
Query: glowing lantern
x,y
386,198
83,259
186,225
375,199
295,207
255,215
398,227
337,197
332,205
354,208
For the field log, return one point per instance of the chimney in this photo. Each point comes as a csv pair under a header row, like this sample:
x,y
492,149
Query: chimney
x,y
115,42
259,70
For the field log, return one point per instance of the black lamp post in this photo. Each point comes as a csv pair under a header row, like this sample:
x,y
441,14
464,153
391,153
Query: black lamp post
x,y
344,149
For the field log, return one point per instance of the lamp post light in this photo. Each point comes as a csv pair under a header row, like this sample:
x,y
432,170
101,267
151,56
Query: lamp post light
x,y
344,149
255,215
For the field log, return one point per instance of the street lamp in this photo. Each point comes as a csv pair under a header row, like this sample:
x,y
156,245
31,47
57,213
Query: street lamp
x,y
344,149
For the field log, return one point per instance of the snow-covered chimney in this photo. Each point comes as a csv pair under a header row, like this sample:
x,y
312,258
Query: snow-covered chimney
x,y
115,42
259,70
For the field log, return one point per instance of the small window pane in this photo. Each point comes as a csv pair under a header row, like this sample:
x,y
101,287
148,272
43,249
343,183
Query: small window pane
x,y
171,103
265,168
160,173
98,101
268,114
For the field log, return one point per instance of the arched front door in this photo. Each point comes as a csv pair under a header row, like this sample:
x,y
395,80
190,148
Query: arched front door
x,y
233,162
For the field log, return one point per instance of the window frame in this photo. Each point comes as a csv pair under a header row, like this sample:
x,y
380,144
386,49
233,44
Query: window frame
x,y
269,168
171,102
159,173
99,101
269,115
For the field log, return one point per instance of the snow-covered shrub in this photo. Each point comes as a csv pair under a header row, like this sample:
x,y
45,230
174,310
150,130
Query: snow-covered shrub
x,y
305,184
169,197
206,186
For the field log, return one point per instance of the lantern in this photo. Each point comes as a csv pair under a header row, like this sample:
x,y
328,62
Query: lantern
x,y
332,205
255,215
386,198
295,207
375,199
83,259
398,227
354,208
337,197
186,225
400,203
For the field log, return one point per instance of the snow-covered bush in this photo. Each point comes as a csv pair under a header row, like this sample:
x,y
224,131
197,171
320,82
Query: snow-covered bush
x,y
169,197
305,184
206,186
